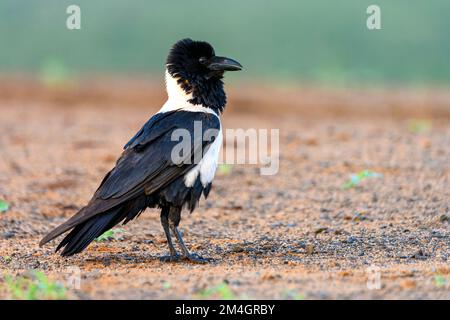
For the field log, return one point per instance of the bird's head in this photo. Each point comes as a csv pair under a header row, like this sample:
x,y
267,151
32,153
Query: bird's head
x,y
193,67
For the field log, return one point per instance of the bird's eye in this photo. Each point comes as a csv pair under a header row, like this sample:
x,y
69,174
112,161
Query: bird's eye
x,y
202,60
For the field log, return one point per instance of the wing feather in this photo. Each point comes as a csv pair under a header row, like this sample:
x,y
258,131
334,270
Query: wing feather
x,y
145,165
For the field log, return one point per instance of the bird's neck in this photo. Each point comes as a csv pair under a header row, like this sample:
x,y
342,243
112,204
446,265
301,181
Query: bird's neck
x,y
209,94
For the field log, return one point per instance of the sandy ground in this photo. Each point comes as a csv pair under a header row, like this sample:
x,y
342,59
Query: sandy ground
x,y
297,234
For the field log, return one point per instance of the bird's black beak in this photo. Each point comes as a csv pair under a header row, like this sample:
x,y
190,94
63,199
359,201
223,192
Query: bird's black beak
x,y
223,64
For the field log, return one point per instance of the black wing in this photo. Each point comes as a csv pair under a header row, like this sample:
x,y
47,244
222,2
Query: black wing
x,y
146,164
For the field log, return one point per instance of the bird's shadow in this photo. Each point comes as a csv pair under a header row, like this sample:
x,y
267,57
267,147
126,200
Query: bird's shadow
x,y
122,258
135,258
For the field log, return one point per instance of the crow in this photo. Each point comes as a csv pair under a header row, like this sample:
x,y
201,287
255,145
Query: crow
x,y
152,172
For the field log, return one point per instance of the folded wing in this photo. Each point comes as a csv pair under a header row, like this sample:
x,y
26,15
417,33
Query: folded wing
x,y
146,165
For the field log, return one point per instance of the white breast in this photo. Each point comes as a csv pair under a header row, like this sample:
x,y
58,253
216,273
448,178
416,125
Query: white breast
x,y
179,100
206,168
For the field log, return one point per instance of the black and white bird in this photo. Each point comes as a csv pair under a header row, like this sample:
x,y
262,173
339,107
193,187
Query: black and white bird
x,y
146,175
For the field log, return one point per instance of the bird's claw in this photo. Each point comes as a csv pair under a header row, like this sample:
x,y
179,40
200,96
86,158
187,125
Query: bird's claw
x,y
192,257
171,258
195,258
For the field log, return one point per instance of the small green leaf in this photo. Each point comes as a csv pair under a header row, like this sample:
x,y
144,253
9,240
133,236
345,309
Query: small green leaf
x,y
34,287
441,281
225,291
292,295
356,179
109,235
4,206
225,169
419,125
166,285
221,291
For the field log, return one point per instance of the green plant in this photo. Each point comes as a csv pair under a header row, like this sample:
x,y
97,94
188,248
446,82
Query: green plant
x,y
441,281
35,286
419,125
109,235
4,206
166,285
355,179
290,294
225,169
221,291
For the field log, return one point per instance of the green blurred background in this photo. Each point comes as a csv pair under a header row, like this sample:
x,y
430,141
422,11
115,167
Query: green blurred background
x,y
319,41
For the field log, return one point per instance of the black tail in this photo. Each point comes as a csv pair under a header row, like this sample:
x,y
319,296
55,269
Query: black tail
x,y
84,231
83,234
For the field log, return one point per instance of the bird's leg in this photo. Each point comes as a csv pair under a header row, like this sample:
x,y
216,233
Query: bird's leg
x,y
174,256
174,220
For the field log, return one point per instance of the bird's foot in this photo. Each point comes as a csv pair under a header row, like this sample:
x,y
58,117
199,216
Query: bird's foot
x,y
195,258
171,258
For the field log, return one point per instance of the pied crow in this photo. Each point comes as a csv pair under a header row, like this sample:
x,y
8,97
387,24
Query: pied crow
x,y
146,175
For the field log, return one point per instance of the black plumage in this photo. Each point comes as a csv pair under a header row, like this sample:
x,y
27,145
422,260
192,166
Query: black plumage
x,y
146,176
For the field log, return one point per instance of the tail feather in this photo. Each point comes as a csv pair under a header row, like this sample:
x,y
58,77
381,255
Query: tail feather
x,y
85,231
83,234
